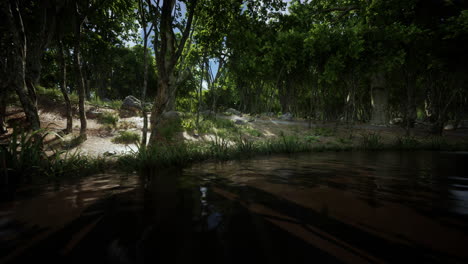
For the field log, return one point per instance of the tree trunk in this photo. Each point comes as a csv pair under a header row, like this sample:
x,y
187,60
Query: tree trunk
x,y
3,96
200,90
142,11
159,107
379,99
63,89
18,66
167,57
410,114
79,78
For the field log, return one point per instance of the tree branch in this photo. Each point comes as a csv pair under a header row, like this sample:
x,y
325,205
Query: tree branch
x,y
185,35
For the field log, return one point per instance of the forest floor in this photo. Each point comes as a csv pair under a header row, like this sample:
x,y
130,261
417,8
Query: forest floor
x,y
254,128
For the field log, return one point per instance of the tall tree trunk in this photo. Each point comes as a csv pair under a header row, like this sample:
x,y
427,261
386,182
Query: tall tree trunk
x,y
379,99
200,90
167,57
3,96
410,102
79,77
142,11
18,65
63,89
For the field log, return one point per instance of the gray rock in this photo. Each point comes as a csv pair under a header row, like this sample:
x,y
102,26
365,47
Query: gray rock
x,y
239,122
269,114
233,112
207,113
123,113
131,103
172,115
396,121
449,127
287,117
93,114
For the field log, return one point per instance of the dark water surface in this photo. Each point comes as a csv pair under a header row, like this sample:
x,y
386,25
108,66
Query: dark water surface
x,y
351,207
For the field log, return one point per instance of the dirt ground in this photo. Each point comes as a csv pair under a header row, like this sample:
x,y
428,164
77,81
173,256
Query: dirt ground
x,y
99,140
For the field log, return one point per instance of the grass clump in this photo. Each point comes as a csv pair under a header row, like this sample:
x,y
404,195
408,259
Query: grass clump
x,y
127,138
170,128
372,141
108,119
55,94
407,143
323,131
112,104
24,159
251,131
312,138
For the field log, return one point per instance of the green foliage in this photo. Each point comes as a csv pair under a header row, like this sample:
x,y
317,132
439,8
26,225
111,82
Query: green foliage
x,y
324,131
55,94
127,138
112,104
26,160
170,128
108,119
312,138
372,141
407,143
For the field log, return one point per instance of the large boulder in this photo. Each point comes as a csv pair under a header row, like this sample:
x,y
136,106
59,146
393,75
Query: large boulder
x,y
207,113
233,111
131,103
287,117
239,122
172,115
396,121
130,107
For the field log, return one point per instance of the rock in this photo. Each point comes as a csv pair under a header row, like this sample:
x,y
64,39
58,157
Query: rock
x,y
449,127
239,122
287,117
233,112
131,103
269,114
93,114
123,113
207,113
172,115
396,121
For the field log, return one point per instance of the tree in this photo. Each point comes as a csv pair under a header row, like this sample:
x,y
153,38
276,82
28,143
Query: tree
x,y
168,53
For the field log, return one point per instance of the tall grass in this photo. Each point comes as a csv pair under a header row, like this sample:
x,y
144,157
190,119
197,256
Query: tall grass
x,y
25,159
112,104
372,141
108,119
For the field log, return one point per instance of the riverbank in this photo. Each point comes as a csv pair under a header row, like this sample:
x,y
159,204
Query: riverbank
x,y
112,142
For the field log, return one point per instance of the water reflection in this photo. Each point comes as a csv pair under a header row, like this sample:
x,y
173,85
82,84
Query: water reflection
x,y
352,207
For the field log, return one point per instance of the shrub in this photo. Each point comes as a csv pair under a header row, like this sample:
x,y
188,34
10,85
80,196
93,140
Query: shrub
x,y
108,119
169,128
324,132
407,142
372,141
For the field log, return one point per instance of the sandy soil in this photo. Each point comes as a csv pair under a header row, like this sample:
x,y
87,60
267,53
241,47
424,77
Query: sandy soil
x,y
99,140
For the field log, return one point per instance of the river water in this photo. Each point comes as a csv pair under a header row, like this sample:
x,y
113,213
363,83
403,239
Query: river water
x,y
345,207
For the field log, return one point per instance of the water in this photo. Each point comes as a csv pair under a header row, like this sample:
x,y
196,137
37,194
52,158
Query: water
x,y
351,207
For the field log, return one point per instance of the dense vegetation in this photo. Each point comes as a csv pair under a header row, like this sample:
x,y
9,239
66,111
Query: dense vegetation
x,y
335,60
